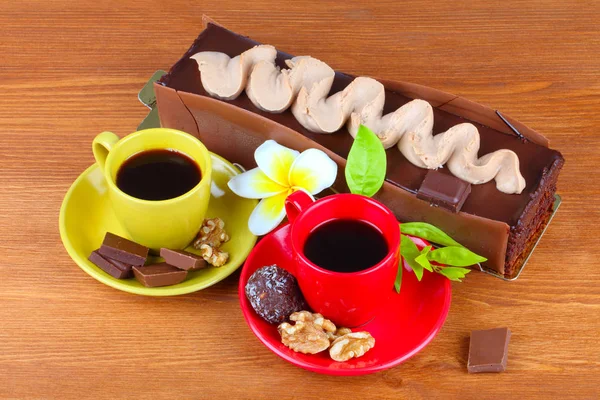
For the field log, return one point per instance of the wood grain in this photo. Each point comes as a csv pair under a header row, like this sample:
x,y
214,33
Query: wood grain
x,y
72,69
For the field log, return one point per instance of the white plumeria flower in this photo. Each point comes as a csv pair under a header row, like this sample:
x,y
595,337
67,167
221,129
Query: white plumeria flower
x,y
281,171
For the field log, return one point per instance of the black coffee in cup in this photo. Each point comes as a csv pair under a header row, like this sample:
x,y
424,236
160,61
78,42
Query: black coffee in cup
x,y
345,245
158,174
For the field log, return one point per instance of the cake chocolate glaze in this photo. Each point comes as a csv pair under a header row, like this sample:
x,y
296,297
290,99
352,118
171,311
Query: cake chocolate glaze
x,y
497,225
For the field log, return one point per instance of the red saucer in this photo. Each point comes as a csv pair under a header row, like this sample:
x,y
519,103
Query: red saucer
x,y
403,327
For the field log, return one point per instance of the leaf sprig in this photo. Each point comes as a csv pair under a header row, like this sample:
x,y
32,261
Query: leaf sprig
x,y
453,257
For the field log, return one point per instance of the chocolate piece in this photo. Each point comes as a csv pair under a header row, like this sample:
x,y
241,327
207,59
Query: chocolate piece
x,y
183,259
496,225
123,250
488,350
444,190
274,294
114,268
156,275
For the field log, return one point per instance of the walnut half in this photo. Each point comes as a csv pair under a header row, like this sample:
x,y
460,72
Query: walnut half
x,y
211,236
309,334
214,256
212,233
354,344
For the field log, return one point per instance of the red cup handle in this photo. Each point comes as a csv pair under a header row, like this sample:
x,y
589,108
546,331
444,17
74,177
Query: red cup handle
x,y
295,203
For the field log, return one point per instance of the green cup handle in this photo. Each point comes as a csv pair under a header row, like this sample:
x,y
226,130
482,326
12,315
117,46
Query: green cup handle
x,y
102,145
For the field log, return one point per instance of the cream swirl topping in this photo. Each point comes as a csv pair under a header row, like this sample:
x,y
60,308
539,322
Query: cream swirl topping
x,y
304,86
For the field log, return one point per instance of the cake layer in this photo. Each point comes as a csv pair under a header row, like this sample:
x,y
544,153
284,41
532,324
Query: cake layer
x,y
525,234
235,128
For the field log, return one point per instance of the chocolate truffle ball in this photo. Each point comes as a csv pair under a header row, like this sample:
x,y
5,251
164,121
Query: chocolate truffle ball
x,y
274,294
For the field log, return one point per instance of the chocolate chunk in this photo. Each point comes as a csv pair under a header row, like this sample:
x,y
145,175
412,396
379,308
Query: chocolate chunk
x,y
274,294
488,350
444,190
183,259
114,268
161,274
121,249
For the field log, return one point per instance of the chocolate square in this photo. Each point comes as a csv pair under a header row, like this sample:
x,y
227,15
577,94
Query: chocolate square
x,y
124,250
183,259
161,274
114,268
488,350
444,190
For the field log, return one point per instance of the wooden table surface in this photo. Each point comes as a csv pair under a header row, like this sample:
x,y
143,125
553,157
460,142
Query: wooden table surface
x,y
69,70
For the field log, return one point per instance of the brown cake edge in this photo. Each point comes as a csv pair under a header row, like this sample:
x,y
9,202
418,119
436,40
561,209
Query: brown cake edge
x,y
525,234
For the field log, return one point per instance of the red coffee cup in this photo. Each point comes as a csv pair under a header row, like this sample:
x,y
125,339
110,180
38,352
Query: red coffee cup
x,y
348,299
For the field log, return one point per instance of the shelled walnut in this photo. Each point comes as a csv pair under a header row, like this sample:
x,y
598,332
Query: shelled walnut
x,y
210,238
214,256
354,344
212,233
309,334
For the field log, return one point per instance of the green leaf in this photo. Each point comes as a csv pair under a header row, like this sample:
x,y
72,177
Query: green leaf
x,y
456,256
454,273
409,251
398,282
418,270
367,163
428,232
422,260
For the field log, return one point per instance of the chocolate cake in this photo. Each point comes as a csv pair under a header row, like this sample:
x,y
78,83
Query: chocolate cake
x,y
502,227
